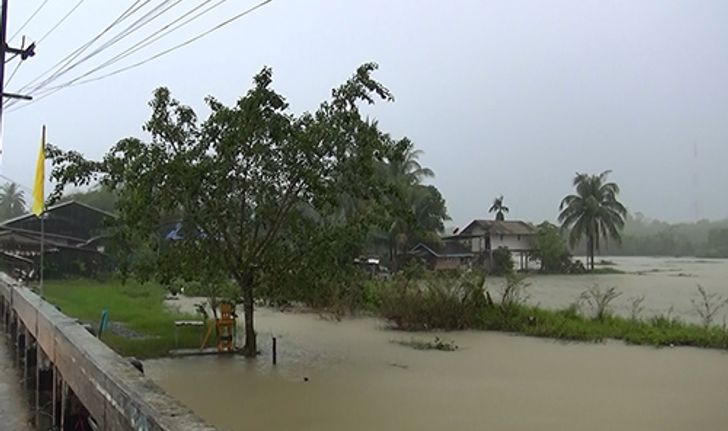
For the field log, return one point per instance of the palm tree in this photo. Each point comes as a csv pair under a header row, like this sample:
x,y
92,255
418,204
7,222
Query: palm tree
x,y
12,201
408,170
411,201
498,208
593,212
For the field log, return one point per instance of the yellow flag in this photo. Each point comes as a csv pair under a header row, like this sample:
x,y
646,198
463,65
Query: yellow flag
x,y
38,192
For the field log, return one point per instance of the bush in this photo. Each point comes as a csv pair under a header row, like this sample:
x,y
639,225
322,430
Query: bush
x,y
551,250
434,303
600,300
502,262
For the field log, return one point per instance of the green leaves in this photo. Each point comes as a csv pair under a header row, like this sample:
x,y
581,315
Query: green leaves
x,y
250,183
593,212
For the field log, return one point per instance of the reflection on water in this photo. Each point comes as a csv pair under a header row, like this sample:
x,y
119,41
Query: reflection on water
x,y
13,412
349,375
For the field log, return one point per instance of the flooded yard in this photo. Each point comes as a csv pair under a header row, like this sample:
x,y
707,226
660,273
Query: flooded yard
x,y
351,375
668,285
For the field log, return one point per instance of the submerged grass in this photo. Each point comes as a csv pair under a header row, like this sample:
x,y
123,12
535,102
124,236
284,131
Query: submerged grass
x,y
454,305
568,324
138,307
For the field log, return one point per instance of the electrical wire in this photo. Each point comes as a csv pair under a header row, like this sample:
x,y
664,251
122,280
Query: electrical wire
x,y
150,58
70,57
42,38
15,70
159,34
139,23
27,21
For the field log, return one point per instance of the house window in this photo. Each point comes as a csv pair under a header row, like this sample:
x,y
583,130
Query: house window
x,y
518,237
501,237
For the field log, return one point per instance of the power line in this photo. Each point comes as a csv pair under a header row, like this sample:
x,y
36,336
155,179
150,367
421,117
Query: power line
x,y
12,74
27,21
59,22
151,58
159,34
21,185
70,57
139,23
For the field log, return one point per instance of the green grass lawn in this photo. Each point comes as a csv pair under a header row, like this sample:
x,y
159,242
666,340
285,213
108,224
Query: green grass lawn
x,y
137,306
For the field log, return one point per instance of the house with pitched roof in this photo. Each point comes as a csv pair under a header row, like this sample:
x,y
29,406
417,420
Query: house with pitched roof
x,y
474,245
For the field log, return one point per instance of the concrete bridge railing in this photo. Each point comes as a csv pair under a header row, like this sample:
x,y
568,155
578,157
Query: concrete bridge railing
x,y
74,376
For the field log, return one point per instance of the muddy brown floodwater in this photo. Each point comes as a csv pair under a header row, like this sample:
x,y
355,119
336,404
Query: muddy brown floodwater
x,y
13,411
350,376
667,284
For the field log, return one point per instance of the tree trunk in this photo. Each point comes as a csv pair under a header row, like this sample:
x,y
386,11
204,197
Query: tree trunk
x,y
590,253
250,348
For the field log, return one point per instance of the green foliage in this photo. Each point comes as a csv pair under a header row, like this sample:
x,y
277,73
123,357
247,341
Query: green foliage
x,y
498,208
513,294
138,306
253,185
415,212
551,250
12,201
600,300
707,305
643,236
97,196
593,212
434,303
502,261
447,306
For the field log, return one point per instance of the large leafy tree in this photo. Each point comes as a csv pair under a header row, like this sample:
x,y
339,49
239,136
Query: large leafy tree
x,y
550,249
97,196
594,212
499,209
12,201
252,184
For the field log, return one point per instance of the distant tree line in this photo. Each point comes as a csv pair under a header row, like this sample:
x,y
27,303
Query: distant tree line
x,y
643,236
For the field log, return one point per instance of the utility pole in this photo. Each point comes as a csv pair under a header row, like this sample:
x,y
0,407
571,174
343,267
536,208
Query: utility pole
x,y
24,53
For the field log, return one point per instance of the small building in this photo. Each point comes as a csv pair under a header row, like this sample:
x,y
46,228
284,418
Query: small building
x,y
450,255
474,245
75,237
482,237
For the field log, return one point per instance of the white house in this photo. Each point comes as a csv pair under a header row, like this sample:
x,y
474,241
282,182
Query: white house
x,y
482,237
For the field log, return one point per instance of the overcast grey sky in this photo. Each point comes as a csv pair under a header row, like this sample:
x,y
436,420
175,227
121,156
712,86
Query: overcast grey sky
x,y
504,97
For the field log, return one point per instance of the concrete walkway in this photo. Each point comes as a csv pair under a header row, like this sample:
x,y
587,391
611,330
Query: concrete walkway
x,y
14,413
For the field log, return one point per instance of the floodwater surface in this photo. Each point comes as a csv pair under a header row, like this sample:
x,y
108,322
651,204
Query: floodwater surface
x,y
669,285
349,375
13,412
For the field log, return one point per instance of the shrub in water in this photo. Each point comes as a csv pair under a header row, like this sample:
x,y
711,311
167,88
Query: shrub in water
x,y
434,303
